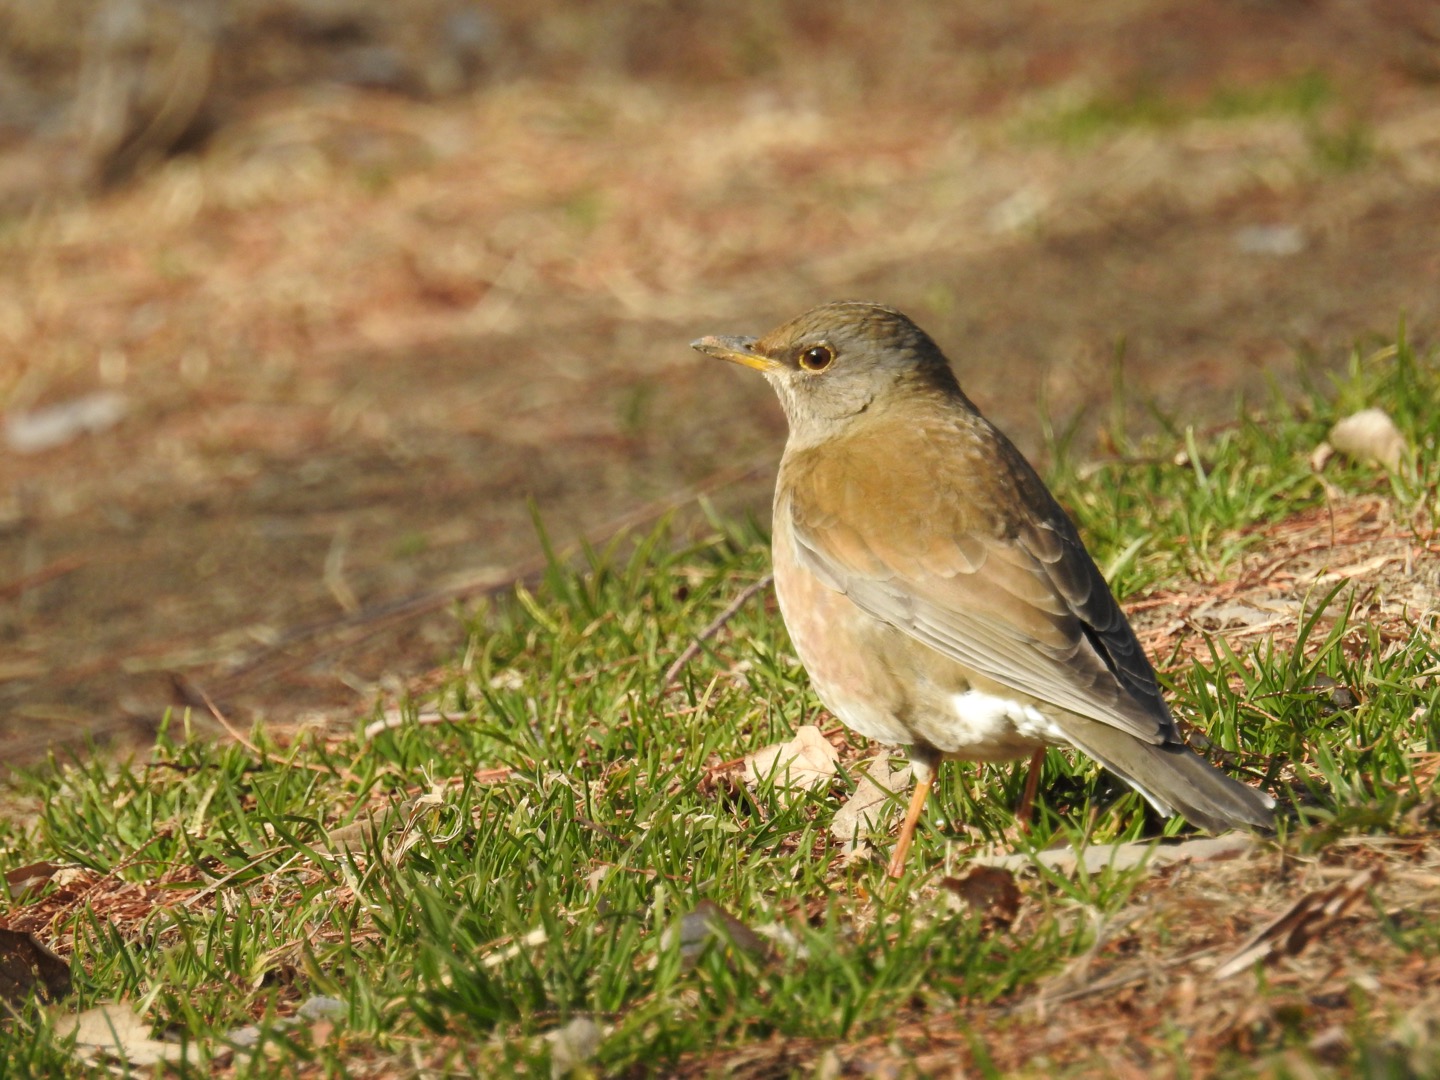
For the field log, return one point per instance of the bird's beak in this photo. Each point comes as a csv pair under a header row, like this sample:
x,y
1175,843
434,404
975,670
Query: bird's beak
x,y
738,350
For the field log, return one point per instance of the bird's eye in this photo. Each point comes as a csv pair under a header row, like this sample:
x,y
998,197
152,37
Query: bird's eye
x,y
817,358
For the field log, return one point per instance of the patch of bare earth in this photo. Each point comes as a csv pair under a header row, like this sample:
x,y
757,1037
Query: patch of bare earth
x,y
1353,558
354,333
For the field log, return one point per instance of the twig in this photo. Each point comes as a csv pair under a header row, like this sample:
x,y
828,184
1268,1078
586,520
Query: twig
x,y
693,649
369,622
224,722
58,568
396,718
234,733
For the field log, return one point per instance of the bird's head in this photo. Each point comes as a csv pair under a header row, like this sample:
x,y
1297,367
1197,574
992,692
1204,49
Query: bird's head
x,y
840,361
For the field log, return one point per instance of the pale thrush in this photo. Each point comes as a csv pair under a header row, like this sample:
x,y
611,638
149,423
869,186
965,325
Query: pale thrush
x,y
935,591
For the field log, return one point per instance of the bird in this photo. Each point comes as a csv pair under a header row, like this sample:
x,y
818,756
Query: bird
x,y
936,593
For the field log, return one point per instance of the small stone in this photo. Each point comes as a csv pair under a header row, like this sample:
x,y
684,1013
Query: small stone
x,y
1370,435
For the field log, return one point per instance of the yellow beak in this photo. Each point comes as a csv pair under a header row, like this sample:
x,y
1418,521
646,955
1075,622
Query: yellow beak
x,y
738,350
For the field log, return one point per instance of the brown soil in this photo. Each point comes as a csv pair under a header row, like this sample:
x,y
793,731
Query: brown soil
x,y
357,332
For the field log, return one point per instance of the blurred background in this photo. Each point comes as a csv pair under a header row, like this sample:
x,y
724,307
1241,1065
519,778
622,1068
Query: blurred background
x,y
304,302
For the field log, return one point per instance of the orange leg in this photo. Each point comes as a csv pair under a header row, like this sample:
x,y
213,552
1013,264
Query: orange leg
x,y
924,781
1032,784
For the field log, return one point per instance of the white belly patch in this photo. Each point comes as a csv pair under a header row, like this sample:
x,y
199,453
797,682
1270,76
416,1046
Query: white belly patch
x,y
990,724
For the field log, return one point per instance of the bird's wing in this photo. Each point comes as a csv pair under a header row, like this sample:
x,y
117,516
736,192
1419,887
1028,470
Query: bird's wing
x,y
1010,593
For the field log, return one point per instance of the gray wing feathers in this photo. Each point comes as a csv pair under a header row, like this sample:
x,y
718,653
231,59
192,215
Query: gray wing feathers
x,y
1089,598
1112,683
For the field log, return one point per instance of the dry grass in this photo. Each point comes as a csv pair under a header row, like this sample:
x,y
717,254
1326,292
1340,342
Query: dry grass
x,y
1278,584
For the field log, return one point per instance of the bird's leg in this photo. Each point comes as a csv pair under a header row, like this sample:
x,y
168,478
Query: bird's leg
x,y
1032,784
923,765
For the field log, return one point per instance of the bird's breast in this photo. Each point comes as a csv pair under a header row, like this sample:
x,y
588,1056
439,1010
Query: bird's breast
x,y
889,687
842,648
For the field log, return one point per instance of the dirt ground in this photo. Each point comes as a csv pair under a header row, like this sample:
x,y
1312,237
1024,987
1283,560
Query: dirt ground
x,y
353,334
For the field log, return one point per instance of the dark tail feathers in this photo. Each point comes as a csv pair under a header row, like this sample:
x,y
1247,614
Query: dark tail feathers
x,y
1176,780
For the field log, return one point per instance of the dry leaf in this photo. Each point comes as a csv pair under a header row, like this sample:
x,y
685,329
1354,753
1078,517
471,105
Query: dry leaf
x,y
869,809
397,828
710,922
322,1007
31,878
115,1030
1126,856
573,1046
56,425
1302,921
1370,435
27,966
989,892
804,763
370,831
322,1013
398,718
503,955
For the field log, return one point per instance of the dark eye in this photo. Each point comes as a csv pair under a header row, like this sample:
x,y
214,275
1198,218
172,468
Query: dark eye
x,y
817,358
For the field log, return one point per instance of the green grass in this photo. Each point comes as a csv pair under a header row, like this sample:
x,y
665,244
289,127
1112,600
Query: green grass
x,y
1189,505
1144,107
1338,139
572,815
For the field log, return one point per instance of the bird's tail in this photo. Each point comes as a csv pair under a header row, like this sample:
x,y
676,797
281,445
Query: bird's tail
x,y
1176,780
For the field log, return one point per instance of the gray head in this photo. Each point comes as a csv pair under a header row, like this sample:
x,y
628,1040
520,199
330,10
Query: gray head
x,y
840,361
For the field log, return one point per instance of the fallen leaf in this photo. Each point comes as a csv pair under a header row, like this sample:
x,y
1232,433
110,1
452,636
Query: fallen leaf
x,y
804,763
369,832
989,892
1331,695
710,922
870,807
1126,856
1370,435
394,829
56,425
323,1014
1292,930
27,966
1278,240
783,940
1218,615
322,1007
115,1030
398,718
573,1046
503,955
1354,570
31,878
